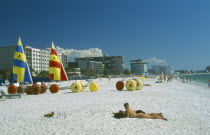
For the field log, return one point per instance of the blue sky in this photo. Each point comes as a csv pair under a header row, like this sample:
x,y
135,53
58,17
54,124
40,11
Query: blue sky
x,y
177,31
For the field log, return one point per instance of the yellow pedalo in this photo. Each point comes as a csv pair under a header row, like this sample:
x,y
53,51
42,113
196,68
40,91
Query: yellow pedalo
x,y
139,84
93,86
76,87
83,86
130,85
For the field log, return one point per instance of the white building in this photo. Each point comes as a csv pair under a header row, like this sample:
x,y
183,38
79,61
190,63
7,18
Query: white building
x,y
139,67
7,58
114,64
37,59
166,70
98,67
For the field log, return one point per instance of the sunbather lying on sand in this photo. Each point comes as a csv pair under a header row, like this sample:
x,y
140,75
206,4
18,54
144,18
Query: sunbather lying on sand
x,y
159,81
147,85
129,113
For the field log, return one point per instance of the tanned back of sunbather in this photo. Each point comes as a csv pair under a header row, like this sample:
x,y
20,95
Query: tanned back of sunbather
x,y
129,113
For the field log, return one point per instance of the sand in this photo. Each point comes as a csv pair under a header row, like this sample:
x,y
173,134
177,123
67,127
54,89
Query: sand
x,y
186,106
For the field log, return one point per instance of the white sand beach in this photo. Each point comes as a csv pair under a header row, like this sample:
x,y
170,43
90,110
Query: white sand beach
x,y
186,106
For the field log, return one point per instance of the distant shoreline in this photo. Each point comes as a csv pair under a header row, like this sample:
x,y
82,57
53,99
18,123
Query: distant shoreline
x,y
194,73
200,79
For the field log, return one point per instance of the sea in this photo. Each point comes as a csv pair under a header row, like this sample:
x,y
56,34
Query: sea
x,y
202,79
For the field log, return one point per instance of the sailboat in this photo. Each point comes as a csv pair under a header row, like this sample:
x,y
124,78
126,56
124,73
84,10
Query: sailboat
x,y
21,72
56,70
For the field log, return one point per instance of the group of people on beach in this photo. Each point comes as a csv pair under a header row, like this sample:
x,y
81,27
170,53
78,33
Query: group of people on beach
x,y
187,78
164,78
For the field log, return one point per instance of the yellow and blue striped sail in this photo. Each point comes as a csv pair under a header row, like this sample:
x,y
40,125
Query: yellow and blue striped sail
x,y
21,72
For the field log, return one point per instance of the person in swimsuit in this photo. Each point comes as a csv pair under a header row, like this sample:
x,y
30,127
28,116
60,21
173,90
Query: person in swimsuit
x,y
129,113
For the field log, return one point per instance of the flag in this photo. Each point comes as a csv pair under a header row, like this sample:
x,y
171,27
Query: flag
x,y
56,70
21,72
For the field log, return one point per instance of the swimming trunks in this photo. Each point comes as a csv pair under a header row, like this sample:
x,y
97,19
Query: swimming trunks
x,y
140,111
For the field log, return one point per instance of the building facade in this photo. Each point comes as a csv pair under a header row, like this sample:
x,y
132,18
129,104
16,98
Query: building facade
x,y
166,70
7,58
37,59
73,65
113,64
97,67
156,69
208,69
139,67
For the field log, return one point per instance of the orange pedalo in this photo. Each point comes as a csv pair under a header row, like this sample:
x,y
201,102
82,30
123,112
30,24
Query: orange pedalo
x,y
119,85
54,88
12,89
36,88
21,89
29,90
43,88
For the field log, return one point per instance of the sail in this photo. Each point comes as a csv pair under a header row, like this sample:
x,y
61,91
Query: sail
x,y
56,70
21,72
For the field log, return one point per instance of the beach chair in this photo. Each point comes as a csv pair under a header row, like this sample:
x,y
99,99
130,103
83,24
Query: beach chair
x,y
18,95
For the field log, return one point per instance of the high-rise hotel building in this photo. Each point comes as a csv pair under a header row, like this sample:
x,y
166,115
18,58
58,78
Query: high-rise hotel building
x,y
139,67
114,64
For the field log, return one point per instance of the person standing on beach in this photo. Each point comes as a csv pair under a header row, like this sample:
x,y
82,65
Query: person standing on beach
x,y
187,78
164,78
160,78
168,79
